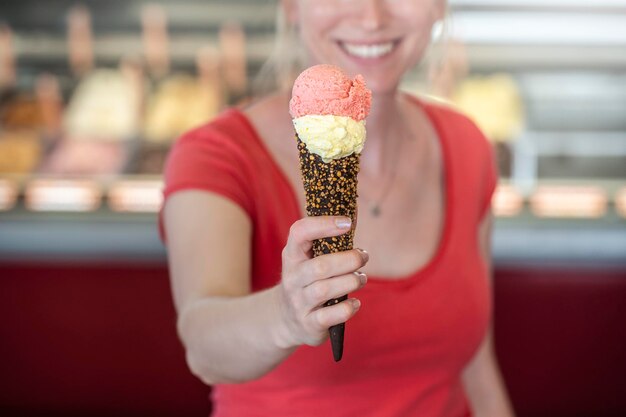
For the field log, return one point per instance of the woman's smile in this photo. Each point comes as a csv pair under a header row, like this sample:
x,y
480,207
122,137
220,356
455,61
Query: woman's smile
x,y
370,50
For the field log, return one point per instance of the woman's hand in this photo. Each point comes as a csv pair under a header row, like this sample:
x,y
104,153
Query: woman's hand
x,y
309,282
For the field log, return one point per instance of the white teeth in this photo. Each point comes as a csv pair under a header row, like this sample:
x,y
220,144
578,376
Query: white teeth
x,y
369,51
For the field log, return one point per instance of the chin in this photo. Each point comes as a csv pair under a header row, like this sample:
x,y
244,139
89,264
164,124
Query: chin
x,y
381,86
379,80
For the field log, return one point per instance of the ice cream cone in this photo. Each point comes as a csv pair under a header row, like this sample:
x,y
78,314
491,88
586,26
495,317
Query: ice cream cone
x,y
330,190
328,110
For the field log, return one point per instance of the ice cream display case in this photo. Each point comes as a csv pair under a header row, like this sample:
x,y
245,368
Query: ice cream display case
x,y
92,96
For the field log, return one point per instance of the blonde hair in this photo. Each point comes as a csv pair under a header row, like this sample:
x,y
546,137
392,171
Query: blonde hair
x,y
285,61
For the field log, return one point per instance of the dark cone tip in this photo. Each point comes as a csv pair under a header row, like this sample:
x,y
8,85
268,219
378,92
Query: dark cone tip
x,y
336,340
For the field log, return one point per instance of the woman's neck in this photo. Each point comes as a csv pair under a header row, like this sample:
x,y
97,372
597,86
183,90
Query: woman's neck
x,y
386,125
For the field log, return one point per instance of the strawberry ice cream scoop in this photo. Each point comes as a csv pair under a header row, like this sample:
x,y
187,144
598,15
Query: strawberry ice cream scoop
x,y
327,90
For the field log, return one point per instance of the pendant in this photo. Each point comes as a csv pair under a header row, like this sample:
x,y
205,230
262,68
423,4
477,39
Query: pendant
x,y
375,210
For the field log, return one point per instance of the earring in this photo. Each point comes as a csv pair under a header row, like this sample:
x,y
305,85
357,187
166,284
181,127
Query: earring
x,y
436,33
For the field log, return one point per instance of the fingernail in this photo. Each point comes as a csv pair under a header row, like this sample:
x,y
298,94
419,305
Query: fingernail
x,y
364,254
362,277
356,304
343,222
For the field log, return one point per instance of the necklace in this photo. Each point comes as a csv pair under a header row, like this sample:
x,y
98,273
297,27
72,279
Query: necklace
x,y
375,206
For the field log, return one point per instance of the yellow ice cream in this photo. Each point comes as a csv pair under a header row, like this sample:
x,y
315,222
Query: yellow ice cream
x,y
330,136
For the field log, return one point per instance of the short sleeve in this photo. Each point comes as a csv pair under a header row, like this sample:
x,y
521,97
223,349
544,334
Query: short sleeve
x,y
209,159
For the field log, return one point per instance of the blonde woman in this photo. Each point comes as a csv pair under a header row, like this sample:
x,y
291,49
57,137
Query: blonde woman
x,y
247,290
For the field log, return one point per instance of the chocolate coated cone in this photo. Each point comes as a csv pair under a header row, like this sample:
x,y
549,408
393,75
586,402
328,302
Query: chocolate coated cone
x,y
331,190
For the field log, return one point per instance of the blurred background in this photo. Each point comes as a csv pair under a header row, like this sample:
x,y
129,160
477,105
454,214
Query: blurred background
x,y
92,95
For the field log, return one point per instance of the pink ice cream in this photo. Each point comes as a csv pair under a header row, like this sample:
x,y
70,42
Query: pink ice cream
x,y
327,90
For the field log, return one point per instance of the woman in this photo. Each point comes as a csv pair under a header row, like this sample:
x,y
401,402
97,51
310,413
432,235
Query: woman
x,y
245,285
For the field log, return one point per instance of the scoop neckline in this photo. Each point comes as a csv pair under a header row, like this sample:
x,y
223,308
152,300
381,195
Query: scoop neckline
x,y
444,238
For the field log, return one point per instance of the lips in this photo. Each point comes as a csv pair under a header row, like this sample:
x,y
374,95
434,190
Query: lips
x,y
369,50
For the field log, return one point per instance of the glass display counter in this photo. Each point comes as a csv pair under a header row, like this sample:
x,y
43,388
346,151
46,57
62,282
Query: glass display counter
x,y
55,218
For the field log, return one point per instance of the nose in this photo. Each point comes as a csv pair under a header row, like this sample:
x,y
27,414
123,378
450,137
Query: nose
x,y
373,14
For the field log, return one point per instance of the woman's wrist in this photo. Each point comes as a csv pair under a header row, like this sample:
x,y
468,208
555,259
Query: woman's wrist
x,y
282,337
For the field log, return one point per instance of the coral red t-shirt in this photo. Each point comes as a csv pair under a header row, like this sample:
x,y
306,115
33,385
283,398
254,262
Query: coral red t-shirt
x,y
405,350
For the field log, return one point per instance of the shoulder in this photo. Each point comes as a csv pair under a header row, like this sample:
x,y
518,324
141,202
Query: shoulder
x,y
221,153
217,157
228,139
271,120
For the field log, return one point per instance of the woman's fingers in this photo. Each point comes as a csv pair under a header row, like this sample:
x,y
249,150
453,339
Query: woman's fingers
x,y
326,317
309,282
304,231
323,290
330,265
